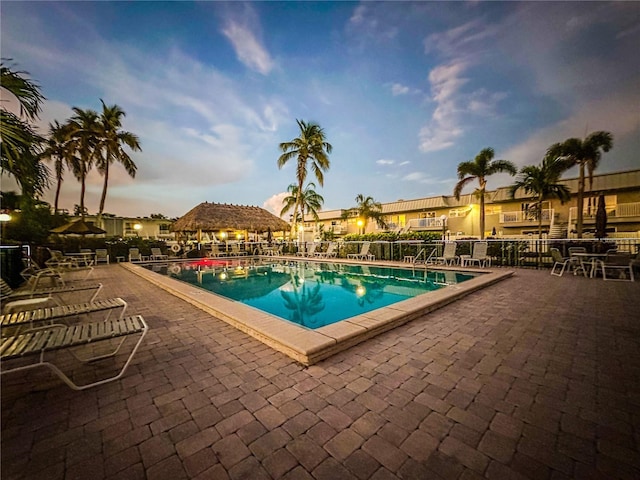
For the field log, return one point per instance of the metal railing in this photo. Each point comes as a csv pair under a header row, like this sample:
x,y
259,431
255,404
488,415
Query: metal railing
x,y
620,210
524,216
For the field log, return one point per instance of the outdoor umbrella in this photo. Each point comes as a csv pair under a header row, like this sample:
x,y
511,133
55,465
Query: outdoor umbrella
x,y
601,218
78,227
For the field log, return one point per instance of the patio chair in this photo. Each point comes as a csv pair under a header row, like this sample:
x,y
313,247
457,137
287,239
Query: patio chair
x,y
66,265
134,255
13,301
619,266
309,252
449,256
563,262
479,255
235,250
363,254
101,256
156,254
35,345
60,314
331,251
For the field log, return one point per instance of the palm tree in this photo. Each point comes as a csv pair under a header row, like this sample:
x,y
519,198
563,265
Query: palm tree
x,y
310,146
479,169
311,201
110,148
20,143
543,183
84,132
367,209
584,153
57,149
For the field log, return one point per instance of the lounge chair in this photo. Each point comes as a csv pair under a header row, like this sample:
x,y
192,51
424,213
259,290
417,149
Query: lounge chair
x,y
60,314
33,346
101,256
65,265
134,255
156,254
565,263
310,250
331,251
235,250
13,301
479,255
618,266
449,256
363,254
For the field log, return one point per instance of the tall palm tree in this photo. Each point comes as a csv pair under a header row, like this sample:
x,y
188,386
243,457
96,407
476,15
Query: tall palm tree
x,y
311,201
309,146
84,131
20,144
479,169
367,208
584,153
543,183
57,149
110,148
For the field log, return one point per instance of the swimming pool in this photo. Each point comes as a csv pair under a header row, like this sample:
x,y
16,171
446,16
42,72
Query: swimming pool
x,y
303,344
308,293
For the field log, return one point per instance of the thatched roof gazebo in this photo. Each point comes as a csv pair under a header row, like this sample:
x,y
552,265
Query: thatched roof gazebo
x,y
215,217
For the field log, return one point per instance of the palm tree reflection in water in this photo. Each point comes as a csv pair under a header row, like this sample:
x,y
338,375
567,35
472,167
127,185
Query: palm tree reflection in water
x,y
303,302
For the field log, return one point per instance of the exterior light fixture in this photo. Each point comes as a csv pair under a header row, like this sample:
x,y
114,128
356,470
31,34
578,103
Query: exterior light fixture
x,y
5,217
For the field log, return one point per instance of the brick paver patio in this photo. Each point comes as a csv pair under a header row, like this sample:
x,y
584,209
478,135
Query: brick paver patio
x,y
535,377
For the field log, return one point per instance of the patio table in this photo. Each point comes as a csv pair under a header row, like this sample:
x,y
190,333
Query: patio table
x,y
588,259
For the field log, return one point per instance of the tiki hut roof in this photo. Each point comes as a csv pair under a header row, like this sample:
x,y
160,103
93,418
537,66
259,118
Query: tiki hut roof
x,y
210,217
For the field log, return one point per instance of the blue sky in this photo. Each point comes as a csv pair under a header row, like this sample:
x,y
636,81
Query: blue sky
x,y
404,91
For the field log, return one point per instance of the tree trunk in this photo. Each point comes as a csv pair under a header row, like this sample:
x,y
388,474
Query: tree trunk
x,y
580,202
104,192
82,190
482,214
55,204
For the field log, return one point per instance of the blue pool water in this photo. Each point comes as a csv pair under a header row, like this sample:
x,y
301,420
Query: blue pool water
x,y
311,294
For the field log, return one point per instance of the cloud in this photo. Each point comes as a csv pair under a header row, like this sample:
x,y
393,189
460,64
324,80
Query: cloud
x,y
248,49
364,24
398,89
441,132
275,203
382,161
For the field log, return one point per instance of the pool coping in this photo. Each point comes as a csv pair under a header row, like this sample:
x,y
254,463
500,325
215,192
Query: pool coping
x,y
311,346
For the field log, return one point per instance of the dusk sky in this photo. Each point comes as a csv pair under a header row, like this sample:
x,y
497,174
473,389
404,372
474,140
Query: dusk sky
x,y
404,91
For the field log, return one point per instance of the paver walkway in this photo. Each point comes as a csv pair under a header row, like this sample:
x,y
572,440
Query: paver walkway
x,y
536,377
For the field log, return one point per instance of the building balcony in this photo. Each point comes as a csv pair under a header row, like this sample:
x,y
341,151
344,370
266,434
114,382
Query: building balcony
x,y
620,212
431,223
523,217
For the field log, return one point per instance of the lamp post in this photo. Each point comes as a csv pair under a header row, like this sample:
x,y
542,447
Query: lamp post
x,y
360,223
4,218
137,227
443,220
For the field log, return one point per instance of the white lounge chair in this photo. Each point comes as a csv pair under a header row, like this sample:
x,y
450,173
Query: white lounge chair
x,y
363,254
156,254
449,256
617,266
35,345
101,256
60,314
134,255
310,251
479,255
565,263
331,251
14,301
